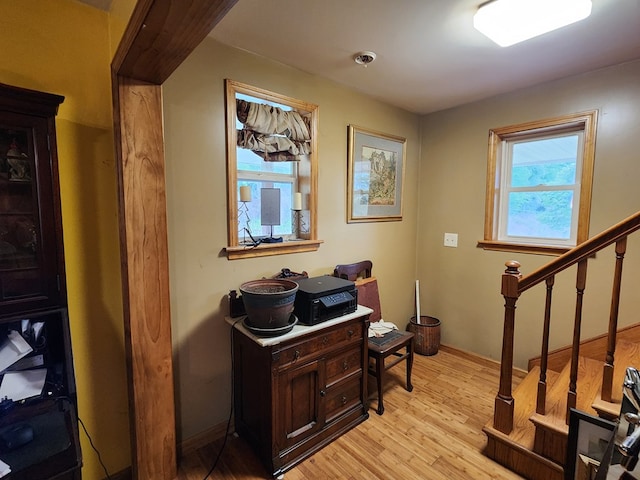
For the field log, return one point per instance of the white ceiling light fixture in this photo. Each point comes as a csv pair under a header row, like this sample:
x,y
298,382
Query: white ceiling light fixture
x,y
508,22
364,58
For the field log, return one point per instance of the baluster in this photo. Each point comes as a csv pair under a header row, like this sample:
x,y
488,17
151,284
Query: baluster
x,y
541,401
504,403
581,280
607,373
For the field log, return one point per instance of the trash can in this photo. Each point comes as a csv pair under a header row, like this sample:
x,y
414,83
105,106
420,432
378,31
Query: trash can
x,y
427,334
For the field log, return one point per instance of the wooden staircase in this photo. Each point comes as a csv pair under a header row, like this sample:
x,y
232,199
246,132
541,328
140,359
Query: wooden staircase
x,y
536,447
529,430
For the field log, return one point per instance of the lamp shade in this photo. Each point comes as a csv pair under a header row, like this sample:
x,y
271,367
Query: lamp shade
x,y
508,22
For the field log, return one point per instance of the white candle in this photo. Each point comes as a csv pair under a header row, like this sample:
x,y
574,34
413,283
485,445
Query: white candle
x,y
245,193
297,201
418,302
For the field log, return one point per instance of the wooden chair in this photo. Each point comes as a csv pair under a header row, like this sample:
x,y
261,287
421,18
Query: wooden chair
x,y
391,344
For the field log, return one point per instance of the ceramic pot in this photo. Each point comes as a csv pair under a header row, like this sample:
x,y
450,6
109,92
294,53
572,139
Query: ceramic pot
x,y
269,302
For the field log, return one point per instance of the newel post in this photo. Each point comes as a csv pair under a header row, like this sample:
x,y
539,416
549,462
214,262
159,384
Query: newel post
x,y
504,404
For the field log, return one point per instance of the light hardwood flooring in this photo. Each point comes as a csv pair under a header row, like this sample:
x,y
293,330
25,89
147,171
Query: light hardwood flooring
x,y
434,432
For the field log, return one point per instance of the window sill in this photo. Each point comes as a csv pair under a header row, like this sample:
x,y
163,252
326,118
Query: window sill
x,y
267,249
522,248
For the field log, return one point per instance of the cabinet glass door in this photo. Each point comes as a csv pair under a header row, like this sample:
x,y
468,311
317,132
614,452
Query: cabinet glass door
x,y
25,275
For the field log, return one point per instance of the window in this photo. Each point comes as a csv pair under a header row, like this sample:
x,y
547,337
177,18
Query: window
x,y
539,178
271,173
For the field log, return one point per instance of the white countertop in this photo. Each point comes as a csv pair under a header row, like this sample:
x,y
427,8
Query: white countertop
x,y
298,330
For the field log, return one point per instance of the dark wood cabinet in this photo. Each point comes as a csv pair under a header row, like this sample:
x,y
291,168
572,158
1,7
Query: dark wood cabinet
x,y
38,421
297,393
31,255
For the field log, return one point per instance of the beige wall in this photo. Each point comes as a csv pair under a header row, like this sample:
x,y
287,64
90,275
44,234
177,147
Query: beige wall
x,y
201,276
461,285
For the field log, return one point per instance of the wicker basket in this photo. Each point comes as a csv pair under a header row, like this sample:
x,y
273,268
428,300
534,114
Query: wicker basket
x,y
427,335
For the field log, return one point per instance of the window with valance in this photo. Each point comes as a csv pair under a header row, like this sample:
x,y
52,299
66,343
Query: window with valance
x,y
271,148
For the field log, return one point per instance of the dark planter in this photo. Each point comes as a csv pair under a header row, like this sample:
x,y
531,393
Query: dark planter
x,y
268,302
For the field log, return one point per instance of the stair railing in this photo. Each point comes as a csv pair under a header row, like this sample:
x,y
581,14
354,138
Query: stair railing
x,y
514,284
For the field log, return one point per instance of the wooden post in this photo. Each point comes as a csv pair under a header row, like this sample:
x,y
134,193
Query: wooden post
x,y
581,281
159,36
541,401
607,373
504,403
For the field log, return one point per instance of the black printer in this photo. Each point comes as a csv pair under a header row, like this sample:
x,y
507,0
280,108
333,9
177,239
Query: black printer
x,y
322,298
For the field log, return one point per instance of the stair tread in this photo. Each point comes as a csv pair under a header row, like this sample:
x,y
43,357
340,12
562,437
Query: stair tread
x,y
587,387
525,402
627,354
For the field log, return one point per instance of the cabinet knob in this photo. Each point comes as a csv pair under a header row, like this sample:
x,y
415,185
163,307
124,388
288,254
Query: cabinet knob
x,y
350,333
345,365
325,340
322,393
343,400
296,355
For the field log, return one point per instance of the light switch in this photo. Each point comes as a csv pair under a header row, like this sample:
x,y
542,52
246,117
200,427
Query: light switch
x,y
450,239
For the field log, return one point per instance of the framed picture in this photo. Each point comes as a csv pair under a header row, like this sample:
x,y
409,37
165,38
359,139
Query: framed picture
x,y
375,176
589,437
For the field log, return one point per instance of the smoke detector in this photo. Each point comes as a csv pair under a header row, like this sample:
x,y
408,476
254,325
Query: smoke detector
x,y
364,58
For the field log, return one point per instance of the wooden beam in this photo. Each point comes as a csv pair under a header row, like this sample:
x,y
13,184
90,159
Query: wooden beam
x,y
160,35
144,248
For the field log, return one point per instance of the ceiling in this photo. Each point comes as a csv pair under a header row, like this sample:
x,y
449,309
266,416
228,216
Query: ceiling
x,y
429,56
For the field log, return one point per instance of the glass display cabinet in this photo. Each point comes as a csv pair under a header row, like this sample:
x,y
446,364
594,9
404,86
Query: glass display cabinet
x,y
38,419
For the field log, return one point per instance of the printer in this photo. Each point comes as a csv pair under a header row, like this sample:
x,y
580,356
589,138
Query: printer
x,y
322,298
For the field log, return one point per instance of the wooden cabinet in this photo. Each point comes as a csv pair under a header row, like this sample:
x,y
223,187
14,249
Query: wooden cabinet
x,y
38,425
296,393
31,255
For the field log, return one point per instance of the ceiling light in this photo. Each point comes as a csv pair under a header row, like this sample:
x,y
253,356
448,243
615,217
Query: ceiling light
x,y
511,21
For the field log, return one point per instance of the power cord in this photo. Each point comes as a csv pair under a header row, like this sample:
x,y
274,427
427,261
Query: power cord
x,y
86,432
226,433
94,449
255,242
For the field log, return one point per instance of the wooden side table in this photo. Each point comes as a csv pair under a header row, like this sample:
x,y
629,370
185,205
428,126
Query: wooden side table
x,y
390,345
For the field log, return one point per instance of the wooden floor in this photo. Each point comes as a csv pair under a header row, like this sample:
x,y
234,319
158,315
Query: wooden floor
x,y
434,432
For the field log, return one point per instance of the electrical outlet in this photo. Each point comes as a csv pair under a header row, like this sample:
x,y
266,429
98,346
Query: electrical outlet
x,y
450,239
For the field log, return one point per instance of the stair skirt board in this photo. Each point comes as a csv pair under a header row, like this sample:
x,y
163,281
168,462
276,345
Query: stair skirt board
x,y
519,459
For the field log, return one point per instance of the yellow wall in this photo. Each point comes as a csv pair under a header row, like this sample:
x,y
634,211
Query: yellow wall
x,y
201,276
62,47
462,285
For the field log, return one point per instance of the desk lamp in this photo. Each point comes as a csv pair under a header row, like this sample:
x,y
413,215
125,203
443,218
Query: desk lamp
x,y
270,211
243,211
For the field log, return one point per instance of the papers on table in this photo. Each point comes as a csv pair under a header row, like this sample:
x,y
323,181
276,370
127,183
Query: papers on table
x,y
4,469
25,384
17,386
13,349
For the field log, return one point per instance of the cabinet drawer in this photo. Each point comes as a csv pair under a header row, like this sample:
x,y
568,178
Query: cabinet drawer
x,y
343,364
316,345
342,398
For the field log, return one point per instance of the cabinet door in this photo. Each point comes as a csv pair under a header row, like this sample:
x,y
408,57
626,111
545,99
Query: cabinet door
x,y
299,403
30,247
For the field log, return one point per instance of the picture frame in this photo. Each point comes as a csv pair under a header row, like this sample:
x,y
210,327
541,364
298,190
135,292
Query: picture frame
x,y
376,166
589,437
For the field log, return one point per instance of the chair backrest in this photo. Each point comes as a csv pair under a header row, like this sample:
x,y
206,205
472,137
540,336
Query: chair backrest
x,y
369,296
351,271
